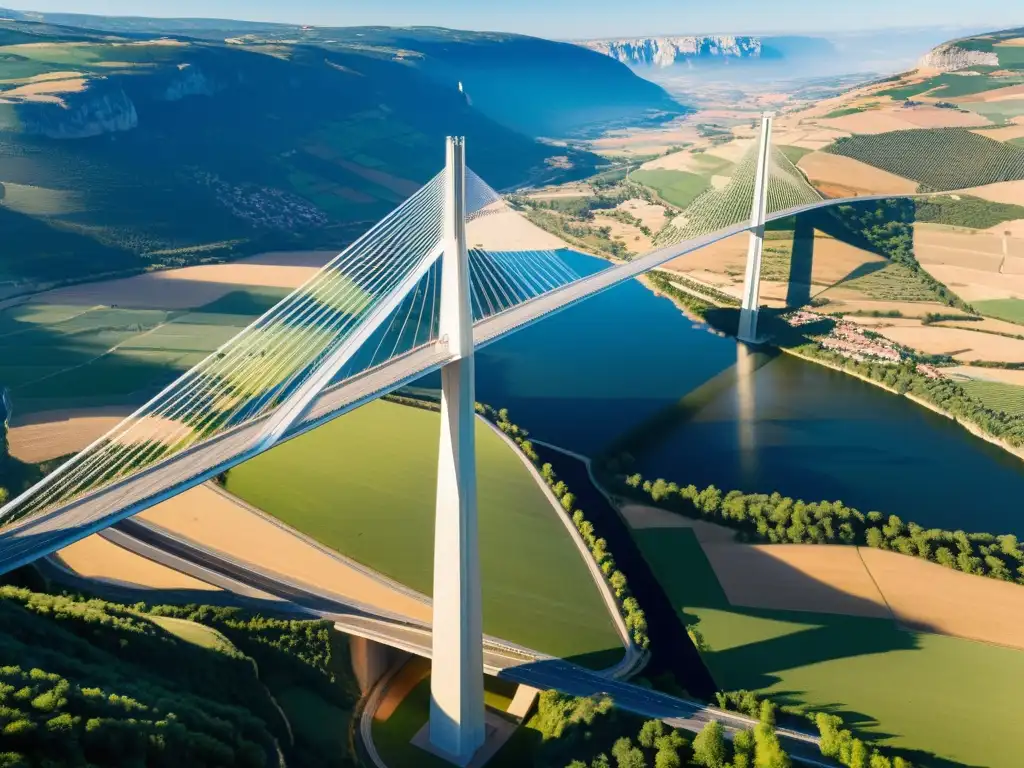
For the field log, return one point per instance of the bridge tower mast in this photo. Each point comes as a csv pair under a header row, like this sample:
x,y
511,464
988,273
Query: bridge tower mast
x,y
456,681
752,280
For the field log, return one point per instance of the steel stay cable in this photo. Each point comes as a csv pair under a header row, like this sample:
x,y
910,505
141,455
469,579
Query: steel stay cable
x,y
76,482
132,422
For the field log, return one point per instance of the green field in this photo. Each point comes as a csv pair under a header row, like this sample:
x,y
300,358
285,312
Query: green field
x,y
794,154
951,86
195,633
996,395
893,282
997,111
894,686
364,486
941,158
1017,142
56,356
679,188
1011,310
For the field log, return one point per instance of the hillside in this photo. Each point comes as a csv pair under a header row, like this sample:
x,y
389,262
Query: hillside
x,y
89,682
124,152
538,87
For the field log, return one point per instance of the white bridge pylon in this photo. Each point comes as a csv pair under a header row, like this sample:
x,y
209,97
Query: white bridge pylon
x,y
752,278
456,678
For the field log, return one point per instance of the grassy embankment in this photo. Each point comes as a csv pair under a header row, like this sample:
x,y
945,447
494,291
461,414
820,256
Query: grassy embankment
x,y
364,486
890,684
72,356
97,683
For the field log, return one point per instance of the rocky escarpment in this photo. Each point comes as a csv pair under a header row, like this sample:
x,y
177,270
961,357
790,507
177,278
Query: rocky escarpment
x,y
669,51
950,57
101,108
189,80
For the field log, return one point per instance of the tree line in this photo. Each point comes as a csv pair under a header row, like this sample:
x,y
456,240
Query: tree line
x,y
632,613
778,519
589,732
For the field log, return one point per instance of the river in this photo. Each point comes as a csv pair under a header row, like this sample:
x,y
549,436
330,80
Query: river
x,y
627,367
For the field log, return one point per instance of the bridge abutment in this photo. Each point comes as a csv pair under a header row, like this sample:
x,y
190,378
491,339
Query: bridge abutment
x,y
752,279
456,724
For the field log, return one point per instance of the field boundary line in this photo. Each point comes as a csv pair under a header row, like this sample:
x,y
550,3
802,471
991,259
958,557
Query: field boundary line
x,y
633,655
347,561
888,607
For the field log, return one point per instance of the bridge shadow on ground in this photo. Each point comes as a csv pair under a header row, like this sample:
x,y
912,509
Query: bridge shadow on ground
x,y
766,625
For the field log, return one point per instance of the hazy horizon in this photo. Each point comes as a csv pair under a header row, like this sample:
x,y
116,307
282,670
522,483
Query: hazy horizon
x,y
576,19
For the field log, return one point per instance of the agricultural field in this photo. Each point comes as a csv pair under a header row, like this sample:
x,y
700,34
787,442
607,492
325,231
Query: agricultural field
x,y
1008,398
380,512
999,112
679,188
1011,310
951,86
942,159
59,356
893,282
966,211
890,684
794,154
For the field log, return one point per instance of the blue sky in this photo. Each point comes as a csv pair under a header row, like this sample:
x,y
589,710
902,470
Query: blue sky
x,y
579,18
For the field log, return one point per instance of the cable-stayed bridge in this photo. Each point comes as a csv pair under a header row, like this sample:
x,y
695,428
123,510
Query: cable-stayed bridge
x,y
409,297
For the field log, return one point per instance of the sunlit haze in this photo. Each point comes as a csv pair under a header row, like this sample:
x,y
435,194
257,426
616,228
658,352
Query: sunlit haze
x,y
576,18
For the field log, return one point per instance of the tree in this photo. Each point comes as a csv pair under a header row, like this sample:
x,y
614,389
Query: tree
x,y
621,747
858,754
768,713
667,758
768,753
618,582
650,732
709,749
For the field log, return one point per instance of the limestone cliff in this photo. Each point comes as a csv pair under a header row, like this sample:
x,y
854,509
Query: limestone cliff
x,y
101,108
669,51
950,57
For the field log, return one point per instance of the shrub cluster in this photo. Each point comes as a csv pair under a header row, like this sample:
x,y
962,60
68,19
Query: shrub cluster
x,y
836,742
633,615
781,519
591,733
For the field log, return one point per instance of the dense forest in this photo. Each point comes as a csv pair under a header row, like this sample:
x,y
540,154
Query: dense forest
x,y
87,682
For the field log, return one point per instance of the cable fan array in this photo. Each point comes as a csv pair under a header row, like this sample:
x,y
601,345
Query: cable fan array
x,y
376,300
257,370
731,204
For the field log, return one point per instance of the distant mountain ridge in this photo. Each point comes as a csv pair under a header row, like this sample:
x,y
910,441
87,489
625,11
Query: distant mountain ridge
x,y
535,86
669,51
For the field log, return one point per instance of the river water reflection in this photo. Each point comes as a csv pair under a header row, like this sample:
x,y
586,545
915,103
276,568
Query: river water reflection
x,y
700,408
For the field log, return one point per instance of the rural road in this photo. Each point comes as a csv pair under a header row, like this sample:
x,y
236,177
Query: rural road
x,y
511,662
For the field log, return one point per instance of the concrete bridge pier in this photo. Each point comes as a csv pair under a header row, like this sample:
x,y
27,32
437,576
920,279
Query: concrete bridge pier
x,y
371,660
752,280
456,726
